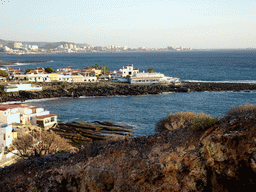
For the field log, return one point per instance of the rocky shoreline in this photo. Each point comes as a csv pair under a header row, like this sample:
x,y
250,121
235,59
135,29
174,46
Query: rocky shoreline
x,y
210,86
54,90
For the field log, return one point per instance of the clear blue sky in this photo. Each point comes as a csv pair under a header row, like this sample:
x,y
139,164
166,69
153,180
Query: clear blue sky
x,y
136,23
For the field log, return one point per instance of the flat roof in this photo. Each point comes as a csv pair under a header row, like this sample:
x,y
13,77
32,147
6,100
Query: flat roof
x,y
46,116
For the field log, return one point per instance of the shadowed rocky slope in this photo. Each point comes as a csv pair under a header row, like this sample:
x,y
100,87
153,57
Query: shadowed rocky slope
x,y
223,158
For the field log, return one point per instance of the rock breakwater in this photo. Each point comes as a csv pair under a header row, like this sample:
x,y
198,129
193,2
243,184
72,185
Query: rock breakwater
x,y
210,86
53,90
97,89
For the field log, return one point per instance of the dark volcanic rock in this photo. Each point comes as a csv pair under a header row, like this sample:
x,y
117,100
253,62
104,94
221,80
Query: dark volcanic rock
x,y
77,90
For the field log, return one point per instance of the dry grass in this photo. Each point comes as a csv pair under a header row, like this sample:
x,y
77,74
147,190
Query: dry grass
x,y
184,119
241,110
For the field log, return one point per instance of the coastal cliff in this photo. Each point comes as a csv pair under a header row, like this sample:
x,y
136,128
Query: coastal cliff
x,y
221,158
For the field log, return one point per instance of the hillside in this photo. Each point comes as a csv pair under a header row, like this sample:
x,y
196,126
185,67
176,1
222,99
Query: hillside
x,y
221,158
44,45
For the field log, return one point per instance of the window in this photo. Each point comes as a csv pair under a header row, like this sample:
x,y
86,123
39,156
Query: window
x,y
52,119
4,136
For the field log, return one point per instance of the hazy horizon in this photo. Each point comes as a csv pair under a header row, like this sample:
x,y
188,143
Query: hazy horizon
x,y
200,24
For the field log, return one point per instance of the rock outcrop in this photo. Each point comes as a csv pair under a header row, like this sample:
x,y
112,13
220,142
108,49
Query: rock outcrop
x,y
204,86
223,158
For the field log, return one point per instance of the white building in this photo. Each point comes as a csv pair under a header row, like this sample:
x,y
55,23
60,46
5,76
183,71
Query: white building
x,y
139,78
22,87
38,77
9,114
34,47
22,113
128,70
45,120
5,136
64,78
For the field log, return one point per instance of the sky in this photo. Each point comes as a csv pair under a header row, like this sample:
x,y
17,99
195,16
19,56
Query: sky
x,y
200,24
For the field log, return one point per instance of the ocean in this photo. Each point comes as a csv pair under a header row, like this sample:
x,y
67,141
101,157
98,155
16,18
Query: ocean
x,y
143,112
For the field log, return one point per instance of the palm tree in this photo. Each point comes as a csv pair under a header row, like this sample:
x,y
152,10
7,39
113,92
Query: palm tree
x,y
150,70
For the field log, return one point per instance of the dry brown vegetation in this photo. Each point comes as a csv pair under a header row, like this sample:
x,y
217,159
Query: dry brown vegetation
x,y
185,119
241,110
38,144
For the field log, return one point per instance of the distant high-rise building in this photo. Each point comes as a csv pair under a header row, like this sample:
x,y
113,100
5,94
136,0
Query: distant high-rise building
x,y
34,47
17,45
71,46
66,46
74,46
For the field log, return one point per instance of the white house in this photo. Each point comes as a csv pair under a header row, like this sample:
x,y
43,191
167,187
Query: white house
x,y
5,136
89,79
38,77
128,70
21,113
45,121
28,112
9,114
64,78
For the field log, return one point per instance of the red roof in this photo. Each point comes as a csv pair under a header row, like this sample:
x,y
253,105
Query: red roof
x,y
34,107
45,116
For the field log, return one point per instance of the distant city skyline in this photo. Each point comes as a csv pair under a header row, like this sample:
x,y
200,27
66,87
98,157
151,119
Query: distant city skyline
x,y
199,24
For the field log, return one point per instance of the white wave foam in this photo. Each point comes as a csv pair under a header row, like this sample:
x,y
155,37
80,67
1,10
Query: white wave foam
x,y
40,100
9,102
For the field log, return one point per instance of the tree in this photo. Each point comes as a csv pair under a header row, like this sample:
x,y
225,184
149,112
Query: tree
x,y
38,144
28,69
3,73
150,70
96,66
49,70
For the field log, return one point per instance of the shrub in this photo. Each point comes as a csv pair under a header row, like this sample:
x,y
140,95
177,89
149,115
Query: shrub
x,y
241,110
204,123
184,119
3,73
49,70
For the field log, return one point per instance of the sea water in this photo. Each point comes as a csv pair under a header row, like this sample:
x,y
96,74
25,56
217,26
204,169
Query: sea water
x,y
144,111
